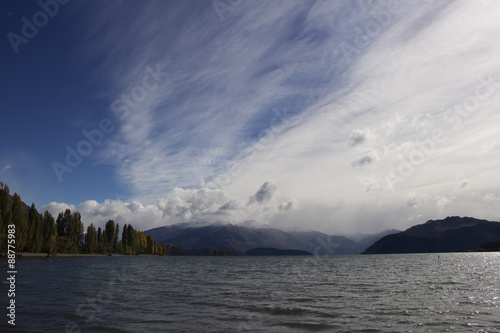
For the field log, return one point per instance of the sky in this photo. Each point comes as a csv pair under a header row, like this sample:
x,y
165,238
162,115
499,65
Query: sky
x,y
342,117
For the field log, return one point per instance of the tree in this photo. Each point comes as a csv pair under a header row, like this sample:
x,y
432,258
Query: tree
x,y
20,220
4,199
70,227
101,241
132,240
125,238
163,249
3,234
49,233
143,242
115,239
150,248
75,232
62,222
8,220
109,233
35,230
91,239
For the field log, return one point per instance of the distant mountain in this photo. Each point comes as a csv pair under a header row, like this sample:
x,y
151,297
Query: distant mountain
x,y
368,240
200,238
488,247
270,251
207,251
453,234
174,250
24,207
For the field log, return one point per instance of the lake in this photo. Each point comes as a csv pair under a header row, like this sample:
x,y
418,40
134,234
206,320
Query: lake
x,y
458,292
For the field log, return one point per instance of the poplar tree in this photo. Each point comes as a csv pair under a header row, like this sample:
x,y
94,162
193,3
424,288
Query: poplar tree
x,y
4,199
101,241
49,233
35,230
3,234
109,233
91,239
75,229
125,239
62,222
115,239
20,220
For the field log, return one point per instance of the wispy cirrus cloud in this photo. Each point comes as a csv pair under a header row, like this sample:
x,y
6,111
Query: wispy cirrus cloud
x,y
383,101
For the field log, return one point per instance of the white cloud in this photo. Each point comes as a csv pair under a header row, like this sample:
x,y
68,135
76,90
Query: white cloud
x,y
264,194
367,135
55,208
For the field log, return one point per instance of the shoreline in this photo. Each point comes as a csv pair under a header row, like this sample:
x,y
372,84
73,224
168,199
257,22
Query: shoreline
x,y
29,255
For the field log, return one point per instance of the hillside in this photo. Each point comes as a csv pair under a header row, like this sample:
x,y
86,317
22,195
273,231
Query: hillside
x,y
241,238
367,240
453,234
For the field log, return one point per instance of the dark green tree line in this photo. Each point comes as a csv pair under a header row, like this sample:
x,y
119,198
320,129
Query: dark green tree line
x,y
42,233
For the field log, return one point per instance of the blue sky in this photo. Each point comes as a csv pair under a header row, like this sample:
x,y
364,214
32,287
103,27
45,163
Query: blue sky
x,y
340,117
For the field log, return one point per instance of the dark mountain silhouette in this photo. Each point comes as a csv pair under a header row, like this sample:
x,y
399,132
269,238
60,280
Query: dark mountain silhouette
x,y
174,250
207,251
368,240
488,247
200,238
453,234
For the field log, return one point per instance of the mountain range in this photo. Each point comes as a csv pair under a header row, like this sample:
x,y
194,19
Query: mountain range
x,y
204,238
452,234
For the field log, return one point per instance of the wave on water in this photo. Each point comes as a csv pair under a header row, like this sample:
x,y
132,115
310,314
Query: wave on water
x,y
283,311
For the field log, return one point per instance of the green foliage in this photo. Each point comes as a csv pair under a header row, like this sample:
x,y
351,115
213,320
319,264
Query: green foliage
x,y
49,233
21,222
37,233
65,245
35,230
116,248
91,239
4,199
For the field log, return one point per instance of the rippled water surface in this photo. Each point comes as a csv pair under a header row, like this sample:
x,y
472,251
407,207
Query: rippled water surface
x,y
457,292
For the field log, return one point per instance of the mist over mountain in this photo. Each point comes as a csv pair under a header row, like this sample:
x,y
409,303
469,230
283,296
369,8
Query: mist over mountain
x,y
452,234
194,236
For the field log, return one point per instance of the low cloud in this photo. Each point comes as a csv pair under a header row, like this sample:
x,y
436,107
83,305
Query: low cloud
x,y
357,138
286,206
55,208
264,194
231,205
362,161
368,158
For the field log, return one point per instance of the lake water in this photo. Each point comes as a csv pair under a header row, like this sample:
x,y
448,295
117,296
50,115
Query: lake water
x,y
457,292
